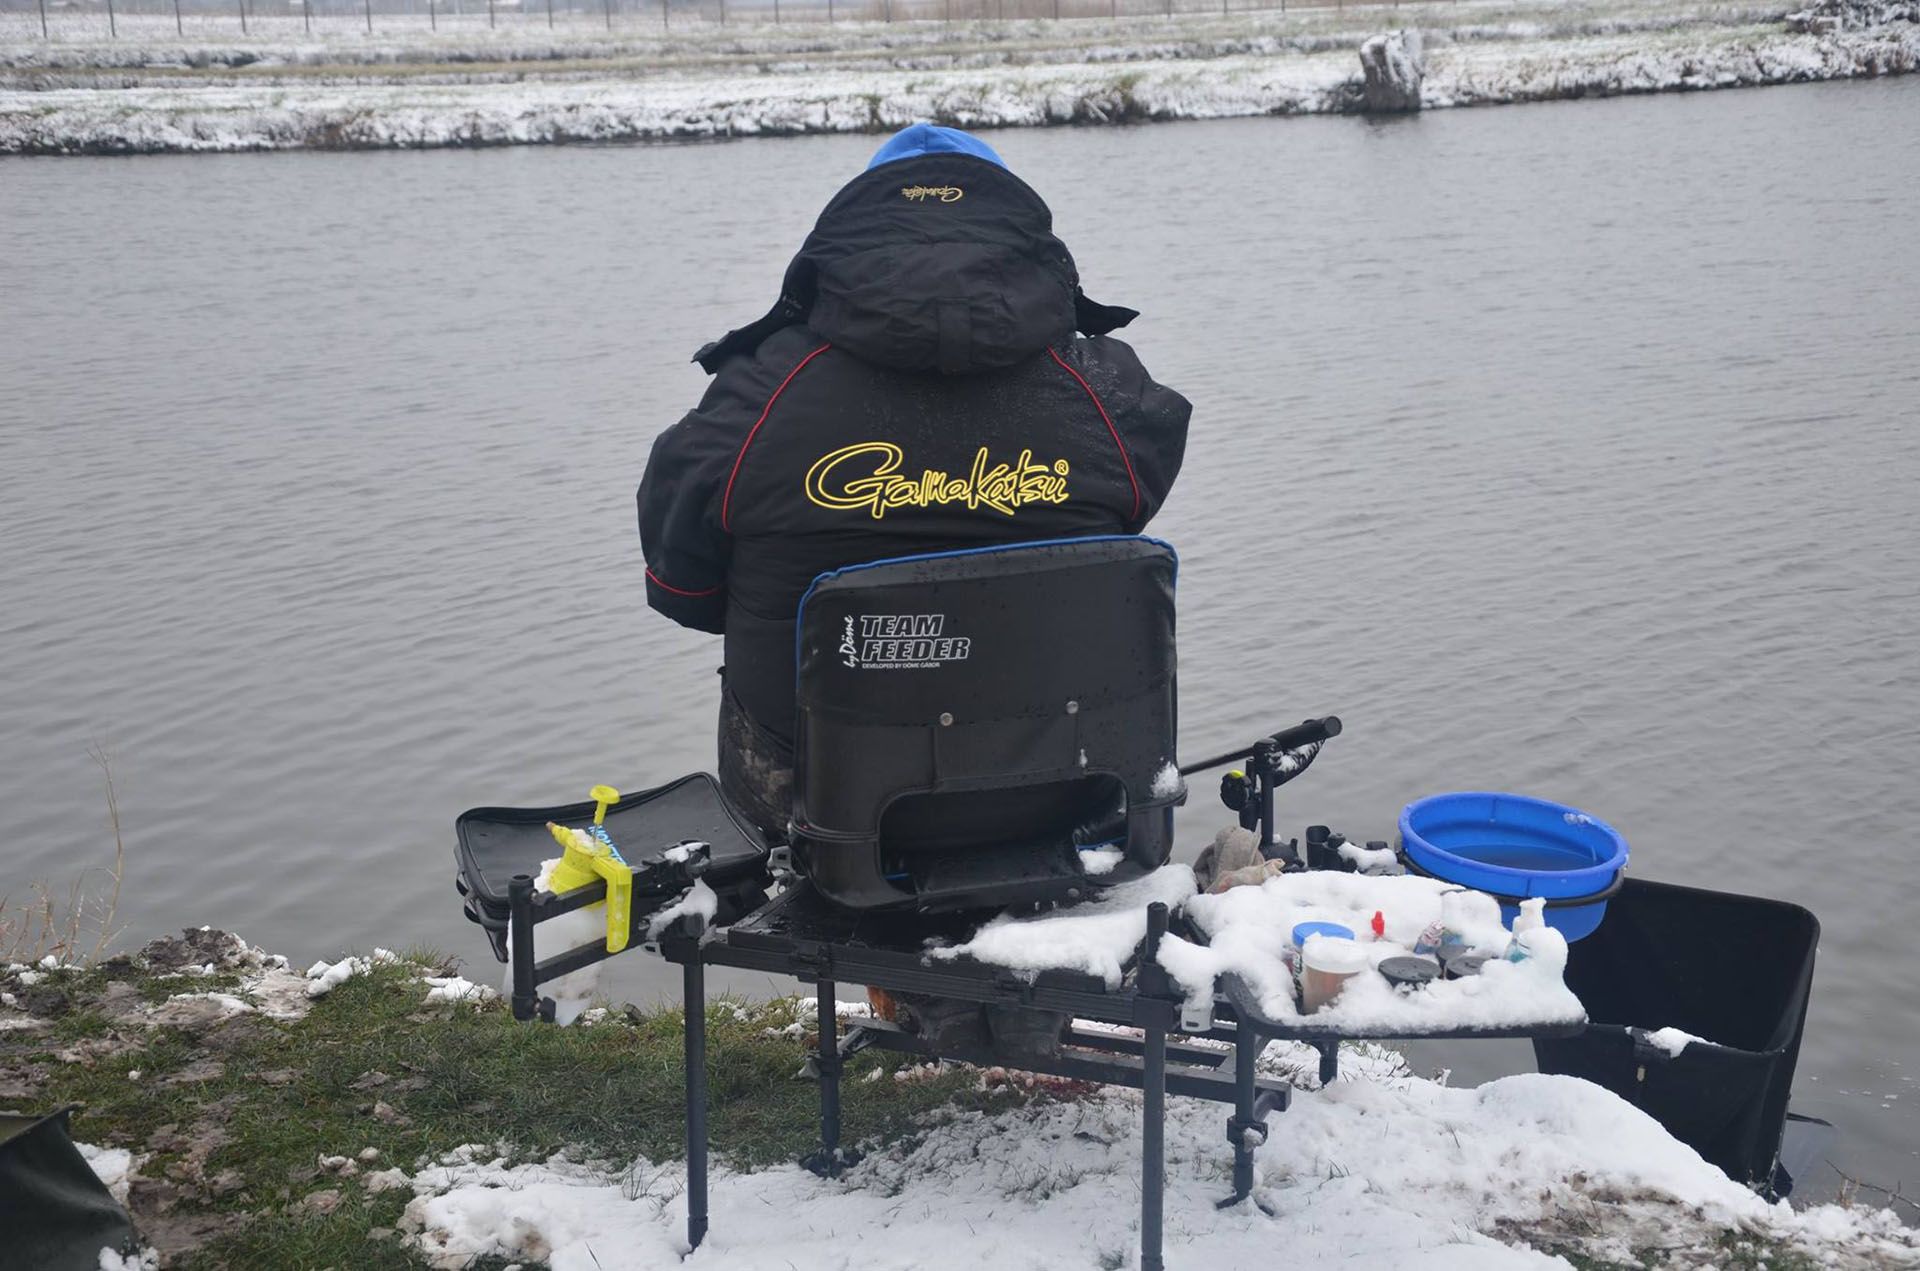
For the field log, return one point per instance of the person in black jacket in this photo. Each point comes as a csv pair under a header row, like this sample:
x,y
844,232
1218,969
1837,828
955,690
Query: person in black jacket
x,y
918,387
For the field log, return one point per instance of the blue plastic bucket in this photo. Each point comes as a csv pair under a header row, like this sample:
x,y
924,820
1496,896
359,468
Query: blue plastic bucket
x,y
1515,847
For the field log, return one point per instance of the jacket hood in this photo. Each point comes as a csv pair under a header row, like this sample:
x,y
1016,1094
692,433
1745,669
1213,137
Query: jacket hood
x,y
942,263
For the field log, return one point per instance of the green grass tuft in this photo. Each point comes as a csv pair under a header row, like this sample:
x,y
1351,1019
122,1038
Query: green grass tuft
x,y
236,1116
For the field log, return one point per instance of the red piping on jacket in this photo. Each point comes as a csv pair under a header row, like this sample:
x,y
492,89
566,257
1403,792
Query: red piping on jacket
x,y
664,585
726,500
1108,420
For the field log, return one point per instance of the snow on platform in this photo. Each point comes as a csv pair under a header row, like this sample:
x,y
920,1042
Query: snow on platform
x,y
1247,929
1097,938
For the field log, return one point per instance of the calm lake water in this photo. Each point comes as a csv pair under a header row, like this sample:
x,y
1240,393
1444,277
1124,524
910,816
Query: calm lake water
x,y
1567,449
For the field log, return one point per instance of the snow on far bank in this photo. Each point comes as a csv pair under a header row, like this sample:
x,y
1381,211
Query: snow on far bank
x,y
1118,80
1382,1170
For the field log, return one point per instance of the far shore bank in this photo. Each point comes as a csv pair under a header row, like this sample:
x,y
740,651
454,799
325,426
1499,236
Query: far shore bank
x,y
153,91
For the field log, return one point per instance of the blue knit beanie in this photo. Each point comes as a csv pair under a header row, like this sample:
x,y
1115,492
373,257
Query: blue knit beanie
x,y
918,139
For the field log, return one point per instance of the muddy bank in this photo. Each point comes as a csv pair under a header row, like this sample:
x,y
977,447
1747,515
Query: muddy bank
x,y
383,1111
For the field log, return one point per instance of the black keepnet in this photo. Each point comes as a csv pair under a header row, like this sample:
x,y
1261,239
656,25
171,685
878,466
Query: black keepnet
x,y
1734,970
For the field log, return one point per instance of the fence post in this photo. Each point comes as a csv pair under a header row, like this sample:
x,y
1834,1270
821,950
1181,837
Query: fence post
x,y
369,4
43,20
609,15
177,28
113,30
829,12
549,13
433,18
776,12
243,17
723,12
489,15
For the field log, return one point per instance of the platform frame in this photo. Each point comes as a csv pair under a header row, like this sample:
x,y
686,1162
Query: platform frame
x,y
1162,1059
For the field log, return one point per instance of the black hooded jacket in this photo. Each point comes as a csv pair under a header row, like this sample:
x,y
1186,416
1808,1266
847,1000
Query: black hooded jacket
x,y
919,387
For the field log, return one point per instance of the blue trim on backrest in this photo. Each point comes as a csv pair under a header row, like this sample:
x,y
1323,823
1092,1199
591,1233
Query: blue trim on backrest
x,y
800,613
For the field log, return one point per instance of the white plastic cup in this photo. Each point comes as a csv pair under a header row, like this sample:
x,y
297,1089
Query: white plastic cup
x,y
1327,963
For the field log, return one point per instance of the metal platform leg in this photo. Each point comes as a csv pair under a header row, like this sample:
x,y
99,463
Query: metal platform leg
x,y
828,1060
1329,1063
829,1158
1242,1126
694,995
1153,1154
520,927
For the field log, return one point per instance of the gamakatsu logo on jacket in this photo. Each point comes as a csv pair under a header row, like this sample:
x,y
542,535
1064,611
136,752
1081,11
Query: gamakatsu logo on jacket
x,y
921,193
866,475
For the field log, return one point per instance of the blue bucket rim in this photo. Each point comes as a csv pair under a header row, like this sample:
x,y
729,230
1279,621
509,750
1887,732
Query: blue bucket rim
x,y
1573,881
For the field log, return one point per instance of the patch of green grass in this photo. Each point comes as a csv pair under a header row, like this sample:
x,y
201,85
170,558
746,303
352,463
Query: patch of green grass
x,y
1745,1252
236,1116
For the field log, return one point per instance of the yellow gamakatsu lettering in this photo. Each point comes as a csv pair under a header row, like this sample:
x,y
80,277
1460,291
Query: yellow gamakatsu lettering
x,y
867,475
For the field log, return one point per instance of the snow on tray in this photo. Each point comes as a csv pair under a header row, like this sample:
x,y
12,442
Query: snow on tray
x,y
1367,858
1096,937
699,902
1673,1041
1247,930
1379,1172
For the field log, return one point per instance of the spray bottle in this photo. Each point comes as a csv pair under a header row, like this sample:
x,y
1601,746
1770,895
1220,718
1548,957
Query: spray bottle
x,y
1532,917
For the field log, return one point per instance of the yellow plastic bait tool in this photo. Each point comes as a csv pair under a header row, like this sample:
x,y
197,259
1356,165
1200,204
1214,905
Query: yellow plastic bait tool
x,y
603,797
585,856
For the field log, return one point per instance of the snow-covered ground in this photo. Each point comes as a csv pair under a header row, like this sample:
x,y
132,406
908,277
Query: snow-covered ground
x,y
1382,1170
280,90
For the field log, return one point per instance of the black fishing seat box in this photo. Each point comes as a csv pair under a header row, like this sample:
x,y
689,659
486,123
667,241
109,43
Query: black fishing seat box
x,y
969,720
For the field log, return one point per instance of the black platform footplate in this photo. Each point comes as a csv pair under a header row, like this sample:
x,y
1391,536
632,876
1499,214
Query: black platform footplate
x,y
1014,874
